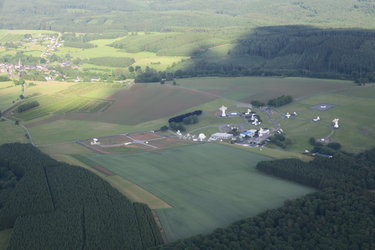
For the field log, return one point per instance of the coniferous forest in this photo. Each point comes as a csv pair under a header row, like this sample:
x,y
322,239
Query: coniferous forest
x,y
294,51
340,216
52,205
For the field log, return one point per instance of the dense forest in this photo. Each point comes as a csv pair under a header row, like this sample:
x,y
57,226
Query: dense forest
x,y
157,15
294,51
52,205
340,216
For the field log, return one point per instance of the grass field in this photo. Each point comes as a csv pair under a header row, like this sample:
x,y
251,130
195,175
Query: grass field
x,y
263,88
9,132
60,129
208,185
355,107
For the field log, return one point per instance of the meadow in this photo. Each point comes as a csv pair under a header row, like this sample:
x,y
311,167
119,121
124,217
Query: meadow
x,y
207,185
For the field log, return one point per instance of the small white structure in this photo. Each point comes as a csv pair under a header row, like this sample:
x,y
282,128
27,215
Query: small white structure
x,y
256,122
288,115
252,117
336,123
202,137
221,136
316,119
323,106
223,109
295,113
179,133
95,141
263,132
248,112
127,143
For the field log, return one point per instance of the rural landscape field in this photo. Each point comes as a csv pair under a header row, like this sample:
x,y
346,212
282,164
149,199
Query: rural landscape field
x,y
187,125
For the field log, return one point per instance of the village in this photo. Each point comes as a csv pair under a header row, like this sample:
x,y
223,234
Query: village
x,y
45,67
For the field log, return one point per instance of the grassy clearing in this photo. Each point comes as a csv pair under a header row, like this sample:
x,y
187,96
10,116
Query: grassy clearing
x,y
354,108
263,88
9,132
208,185
4,238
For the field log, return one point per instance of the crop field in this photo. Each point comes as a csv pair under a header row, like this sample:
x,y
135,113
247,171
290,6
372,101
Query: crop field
x,y
146,102
263,88
207,185
84,97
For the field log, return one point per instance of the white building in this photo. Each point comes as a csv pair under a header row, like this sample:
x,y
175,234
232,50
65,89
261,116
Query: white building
x,y
221,136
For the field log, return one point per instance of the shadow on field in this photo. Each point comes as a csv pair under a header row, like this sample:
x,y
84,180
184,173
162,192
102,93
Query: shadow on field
x,y
291,51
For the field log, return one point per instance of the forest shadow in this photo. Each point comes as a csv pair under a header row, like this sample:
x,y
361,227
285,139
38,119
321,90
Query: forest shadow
x,y
294,50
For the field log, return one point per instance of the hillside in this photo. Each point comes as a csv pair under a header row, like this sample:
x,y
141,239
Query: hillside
x,y
293,50
84,15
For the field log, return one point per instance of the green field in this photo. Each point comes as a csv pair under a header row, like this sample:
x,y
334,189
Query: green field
x,y
9,132
355,107
208,185
84,97
102,49
71,111
247,89
145,102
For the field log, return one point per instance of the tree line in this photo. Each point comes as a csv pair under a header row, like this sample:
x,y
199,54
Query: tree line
x,y
26,106
57,206
294,51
